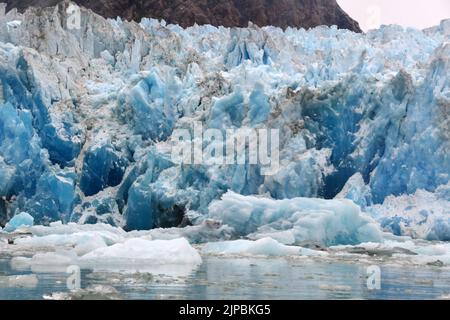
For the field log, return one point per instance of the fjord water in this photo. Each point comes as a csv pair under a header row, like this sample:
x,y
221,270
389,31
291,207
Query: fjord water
x,y
246,278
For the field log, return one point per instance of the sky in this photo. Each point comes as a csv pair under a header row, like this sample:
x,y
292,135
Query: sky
x,y
420,14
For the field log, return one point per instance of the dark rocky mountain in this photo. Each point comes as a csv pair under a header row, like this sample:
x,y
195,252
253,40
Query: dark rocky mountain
x,y
229,13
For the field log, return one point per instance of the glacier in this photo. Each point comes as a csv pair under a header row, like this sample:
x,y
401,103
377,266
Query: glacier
x,y
87,115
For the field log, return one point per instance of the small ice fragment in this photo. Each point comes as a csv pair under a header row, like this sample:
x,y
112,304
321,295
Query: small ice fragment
x,y
19,281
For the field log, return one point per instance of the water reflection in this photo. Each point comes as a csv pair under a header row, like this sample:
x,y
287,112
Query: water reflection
x,y
241,278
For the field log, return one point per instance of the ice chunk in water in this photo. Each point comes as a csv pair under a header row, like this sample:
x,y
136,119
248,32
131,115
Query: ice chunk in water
x,y
265,247
328,222
23,219
140,251
19,281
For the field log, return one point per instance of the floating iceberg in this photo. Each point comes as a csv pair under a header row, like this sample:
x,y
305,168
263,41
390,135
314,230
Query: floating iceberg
x,y
101,247
401,251
46,262
144,252
21,220
293,221
81,242
263,247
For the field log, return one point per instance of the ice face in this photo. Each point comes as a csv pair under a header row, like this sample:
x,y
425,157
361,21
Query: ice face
x,y
102,168
356,190
146,106
101,208
361,116
423,215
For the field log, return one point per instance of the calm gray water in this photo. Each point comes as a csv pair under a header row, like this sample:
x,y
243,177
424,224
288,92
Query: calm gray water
x,y
232,278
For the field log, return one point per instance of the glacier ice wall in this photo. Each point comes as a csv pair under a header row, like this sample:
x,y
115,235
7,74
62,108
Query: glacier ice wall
x,y
86,114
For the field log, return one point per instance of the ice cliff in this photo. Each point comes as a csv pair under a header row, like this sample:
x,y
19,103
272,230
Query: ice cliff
x,y
87,113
